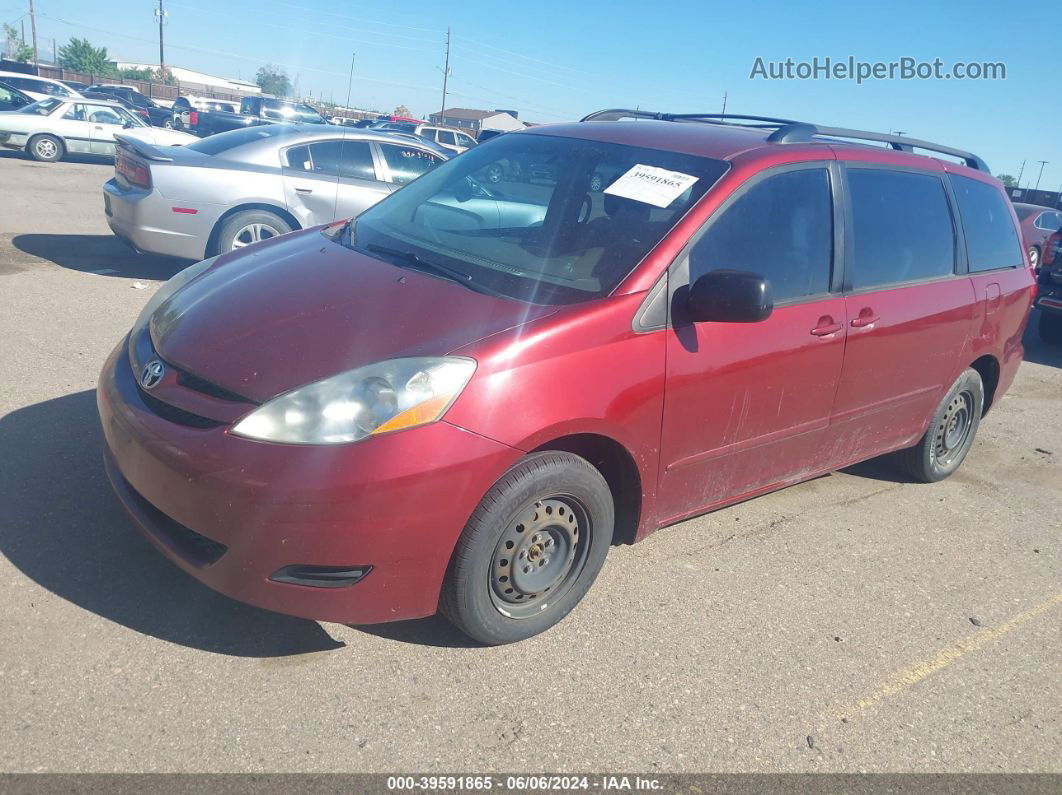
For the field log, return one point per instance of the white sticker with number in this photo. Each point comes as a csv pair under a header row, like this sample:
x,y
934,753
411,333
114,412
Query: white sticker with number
x,y
651,185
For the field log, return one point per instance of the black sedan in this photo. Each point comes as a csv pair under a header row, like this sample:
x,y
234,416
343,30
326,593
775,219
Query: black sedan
x,y
13,99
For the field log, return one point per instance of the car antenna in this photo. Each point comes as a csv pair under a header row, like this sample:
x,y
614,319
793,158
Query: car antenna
x,y
343,141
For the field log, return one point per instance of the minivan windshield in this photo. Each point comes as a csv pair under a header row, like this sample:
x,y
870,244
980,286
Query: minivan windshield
x,y
537,217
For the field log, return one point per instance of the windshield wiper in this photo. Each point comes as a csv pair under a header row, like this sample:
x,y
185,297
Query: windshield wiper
x,y
414,260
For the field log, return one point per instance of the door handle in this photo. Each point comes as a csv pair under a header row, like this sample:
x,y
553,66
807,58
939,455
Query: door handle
x,y
866,318
826,327
304,190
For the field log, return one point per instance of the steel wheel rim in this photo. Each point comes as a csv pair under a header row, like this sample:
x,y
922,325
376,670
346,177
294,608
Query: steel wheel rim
x,y
953,431
46,147
539,556
253,233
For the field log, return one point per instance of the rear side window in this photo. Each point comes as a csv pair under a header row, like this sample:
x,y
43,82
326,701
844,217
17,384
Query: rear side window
x,y
902,228
991,239
781,228
223,142
351,159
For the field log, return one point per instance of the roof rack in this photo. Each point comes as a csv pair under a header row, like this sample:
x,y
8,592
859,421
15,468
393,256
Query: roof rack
x,y
787,131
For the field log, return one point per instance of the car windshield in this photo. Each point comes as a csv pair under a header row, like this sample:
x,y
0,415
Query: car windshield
x,y
43,107
289,112
539,218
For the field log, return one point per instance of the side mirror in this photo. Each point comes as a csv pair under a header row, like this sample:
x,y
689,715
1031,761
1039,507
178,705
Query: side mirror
x,y
729,296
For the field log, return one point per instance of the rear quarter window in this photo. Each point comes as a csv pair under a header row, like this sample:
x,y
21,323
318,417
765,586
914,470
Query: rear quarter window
x,y
902,228
991,238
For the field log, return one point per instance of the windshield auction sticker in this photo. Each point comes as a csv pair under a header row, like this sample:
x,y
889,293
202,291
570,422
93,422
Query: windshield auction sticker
x,y
656,186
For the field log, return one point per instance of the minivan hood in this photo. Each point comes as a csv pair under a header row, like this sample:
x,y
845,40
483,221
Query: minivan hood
x,y
300,308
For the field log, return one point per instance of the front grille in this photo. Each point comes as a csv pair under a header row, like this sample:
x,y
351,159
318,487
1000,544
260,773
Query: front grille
x,y
198,384
198,549
176,415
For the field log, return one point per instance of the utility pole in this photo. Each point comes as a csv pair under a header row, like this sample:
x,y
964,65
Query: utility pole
x,y
1042,164
161,14
724,106
33,29
1022,171
446,75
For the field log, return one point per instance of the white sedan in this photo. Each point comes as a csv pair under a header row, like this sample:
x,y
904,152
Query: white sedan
x,y
54,126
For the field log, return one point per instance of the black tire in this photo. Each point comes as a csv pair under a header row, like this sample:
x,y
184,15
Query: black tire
x,y
45,148
1050,328
234,231
951,432
549,503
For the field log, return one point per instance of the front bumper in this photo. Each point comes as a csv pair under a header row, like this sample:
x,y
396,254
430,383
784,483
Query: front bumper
x,y
232,512
147,221
10,140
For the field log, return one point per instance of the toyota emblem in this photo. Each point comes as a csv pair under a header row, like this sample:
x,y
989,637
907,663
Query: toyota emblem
x,y
152,374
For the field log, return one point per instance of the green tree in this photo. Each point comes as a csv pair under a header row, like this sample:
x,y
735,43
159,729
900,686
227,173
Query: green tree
x,y
80,56
165,76
273,80
20,51
402,110
1007,180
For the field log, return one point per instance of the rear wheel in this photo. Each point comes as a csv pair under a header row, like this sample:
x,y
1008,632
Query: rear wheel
x,y
1034,257
951,432
531,550
46,148
1050,328
168,124
250,226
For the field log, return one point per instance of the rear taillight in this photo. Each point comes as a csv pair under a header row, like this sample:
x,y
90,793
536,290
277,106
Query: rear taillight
x,y
193,118
1052,247
143,114
134,172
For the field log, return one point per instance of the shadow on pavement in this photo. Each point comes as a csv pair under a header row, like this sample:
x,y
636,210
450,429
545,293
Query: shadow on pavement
x,y
1036,350
93,253
431,631
64,529
104,161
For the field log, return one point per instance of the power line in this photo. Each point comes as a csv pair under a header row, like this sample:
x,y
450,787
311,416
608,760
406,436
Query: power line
x,y
526,57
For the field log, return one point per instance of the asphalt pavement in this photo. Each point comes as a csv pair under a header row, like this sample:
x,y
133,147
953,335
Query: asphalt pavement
x,y
856,622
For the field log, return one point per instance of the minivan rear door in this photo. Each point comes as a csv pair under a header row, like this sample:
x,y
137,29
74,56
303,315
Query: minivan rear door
x,y
747,405
909,312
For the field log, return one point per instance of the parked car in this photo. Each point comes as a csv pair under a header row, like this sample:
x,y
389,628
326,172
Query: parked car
x,y
129,106
239,187
1049,294
186,104
75,84
37,87
433,408
145,107
50,128
446,137
13,99
1037,225
253,111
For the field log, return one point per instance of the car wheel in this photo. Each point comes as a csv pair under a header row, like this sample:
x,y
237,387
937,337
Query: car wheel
x,y
248,227
1034,257
494,173
531,550
1050,328
46,148
596,182
168,124
951,432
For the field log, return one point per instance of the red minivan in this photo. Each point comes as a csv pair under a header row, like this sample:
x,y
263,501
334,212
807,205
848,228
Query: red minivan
x,y
458,400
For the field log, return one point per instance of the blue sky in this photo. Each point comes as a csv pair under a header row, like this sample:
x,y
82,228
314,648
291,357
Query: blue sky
x,y
559,59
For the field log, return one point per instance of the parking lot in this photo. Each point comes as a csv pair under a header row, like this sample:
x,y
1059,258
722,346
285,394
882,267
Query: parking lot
x,y
856,622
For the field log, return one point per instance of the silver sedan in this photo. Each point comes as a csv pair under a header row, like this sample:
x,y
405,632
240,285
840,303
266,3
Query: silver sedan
x,y
247,185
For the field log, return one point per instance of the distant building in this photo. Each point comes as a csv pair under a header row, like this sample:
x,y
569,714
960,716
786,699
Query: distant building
x,y
211,82
476,120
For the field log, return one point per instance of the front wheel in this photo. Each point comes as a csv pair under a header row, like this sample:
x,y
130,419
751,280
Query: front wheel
x,y
1050,328
46,148
531,550
951,432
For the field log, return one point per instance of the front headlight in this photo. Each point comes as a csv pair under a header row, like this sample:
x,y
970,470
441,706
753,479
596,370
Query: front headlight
x,y
378,398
